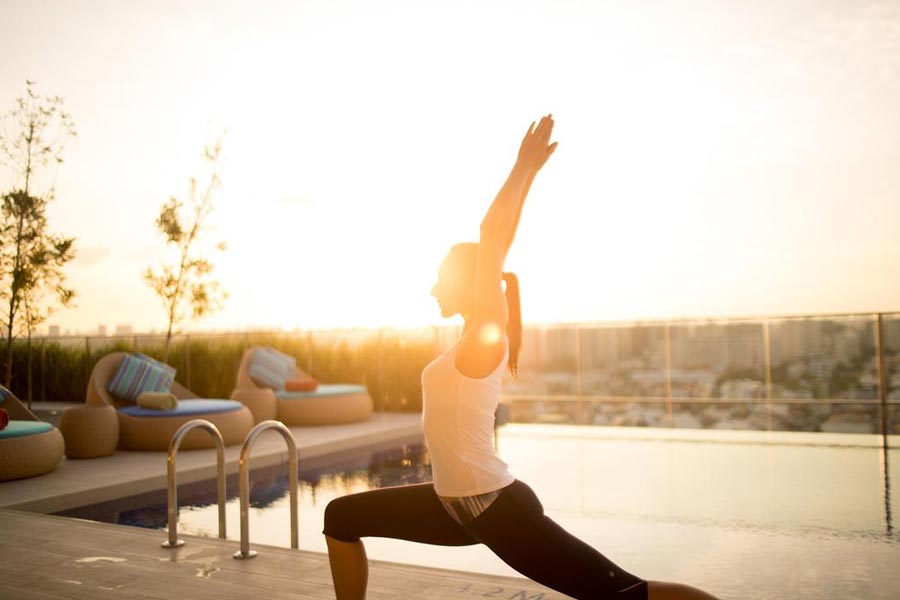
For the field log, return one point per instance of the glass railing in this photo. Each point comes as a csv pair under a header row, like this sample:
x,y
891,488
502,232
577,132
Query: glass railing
x,y
832,373
836,373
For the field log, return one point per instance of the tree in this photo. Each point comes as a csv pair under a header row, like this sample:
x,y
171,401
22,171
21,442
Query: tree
x,y
31,258
188,285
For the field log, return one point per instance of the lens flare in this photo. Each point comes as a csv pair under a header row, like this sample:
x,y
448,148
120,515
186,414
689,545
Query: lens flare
x,y
489,334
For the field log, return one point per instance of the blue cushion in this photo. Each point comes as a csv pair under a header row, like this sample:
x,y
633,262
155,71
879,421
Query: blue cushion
x,y
270,368
22,428
139,373
185,408
324,390
3,394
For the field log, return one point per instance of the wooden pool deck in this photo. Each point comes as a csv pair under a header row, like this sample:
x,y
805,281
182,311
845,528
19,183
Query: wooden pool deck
x,y
48,558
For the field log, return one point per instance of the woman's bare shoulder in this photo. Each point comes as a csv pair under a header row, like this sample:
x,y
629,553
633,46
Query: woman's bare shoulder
x,y
481,350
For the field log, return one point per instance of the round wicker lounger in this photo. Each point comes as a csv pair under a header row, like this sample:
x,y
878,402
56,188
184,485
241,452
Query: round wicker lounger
x,y
330,404
28,446
154,431
30,455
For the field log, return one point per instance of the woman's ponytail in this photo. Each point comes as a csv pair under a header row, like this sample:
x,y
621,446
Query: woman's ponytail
x,y
514,325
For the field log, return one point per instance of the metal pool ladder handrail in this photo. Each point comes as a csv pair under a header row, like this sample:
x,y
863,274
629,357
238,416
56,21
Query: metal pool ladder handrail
x,y
172,493
245,551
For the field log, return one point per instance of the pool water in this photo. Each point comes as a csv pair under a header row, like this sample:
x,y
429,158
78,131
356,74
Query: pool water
x,y
751,515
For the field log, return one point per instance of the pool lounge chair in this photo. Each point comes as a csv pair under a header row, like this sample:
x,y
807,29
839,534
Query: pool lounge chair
x,y
146,429
329,404
28,446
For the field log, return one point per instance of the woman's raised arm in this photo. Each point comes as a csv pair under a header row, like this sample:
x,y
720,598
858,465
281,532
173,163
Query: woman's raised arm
x,y
480,349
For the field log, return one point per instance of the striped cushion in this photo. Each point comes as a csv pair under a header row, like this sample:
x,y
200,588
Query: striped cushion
x,y
270,368
139,373
158,363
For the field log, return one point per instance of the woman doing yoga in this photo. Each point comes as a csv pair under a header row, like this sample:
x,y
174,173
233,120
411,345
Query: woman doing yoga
x,y
474,498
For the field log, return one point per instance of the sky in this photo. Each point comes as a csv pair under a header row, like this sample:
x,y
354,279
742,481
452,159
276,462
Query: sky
x,y
715,158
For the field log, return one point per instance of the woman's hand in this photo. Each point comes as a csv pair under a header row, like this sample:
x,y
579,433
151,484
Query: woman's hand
x,y
536,147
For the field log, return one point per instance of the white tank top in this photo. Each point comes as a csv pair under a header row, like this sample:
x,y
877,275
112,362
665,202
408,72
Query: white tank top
x,y
458,421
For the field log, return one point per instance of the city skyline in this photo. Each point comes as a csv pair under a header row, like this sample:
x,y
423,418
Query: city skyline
x,y
801,374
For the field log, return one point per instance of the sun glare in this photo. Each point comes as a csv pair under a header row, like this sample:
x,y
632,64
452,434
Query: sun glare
x,y
702,159
489,334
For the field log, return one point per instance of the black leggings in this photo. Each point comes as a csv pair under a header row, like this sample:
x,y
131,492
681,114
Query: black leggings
x,y
514,526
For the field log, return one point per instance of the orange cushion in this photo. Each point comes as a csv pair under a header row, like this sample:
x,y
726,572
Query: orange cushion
x,y
301,385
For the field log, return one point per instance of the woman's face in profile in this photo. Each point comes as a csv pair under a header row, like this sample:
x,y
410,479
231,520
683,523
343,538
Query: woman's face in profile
x,y
451,294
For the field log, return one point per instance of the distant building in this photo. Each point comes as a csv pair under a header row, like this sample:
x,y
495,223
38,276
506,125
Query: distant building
x,y
742,388
846,422
796,338
685,420
892,334
737,346
53,331
847,345
101,330
124,330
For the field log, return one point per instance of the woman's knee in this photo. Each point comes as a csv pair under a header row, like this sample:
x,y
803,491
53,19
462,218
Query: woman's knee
x,y
339,520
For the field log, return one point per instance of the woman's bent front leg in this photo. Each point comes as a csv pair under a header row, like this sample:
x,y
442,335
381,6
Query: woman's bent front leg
x,y
409,512
349,568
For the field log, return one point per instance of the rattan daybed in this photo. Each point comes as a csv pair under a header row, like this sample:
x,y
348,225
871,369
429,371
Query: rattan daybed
x,y
146,429
329,404
28,446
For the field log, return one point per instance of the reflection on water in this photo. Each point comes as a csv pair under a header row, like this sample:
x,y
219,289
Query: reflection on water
x,y
744,514
780,482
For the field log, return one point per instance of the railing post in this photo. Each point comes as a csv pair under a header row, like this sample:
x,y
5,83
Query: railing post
x,y
380,365
668,353
87,358
767,358
579,389
885,425
187,359
43,369
244,476
172,490
577,360
309,351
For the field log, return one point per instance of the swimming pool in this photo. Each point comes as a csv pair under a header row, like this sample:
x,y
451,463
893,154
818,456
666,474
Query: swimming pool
x,y
745,514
